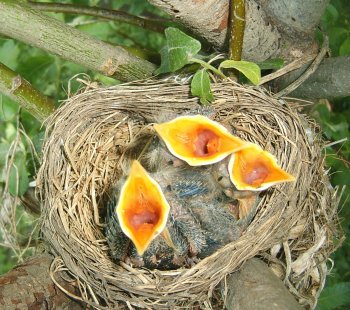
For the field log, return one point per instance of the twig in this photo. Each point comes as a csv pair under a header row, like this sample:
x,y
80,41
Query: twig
x,y
21,91
295,64
237,20
312,68
237,25
208,66
114,15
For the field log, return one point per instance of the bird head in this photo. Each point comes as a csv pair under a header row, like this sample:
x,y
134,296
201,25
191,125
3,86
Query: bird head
x,y
142,209
198,140
254,169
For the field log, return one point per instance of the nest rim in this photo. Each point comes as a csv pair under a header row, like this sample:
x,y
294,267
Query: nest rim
x,y
100,121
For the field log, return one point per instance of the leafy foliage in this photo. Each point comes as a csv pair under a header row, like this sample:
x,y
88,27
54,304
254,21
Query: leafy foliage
x,y
181,50
178,51
334,119
335,296
200,86
249,69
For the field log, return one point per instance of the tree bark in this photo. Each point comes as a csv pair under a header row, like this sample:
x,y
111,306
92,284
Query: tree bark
x,y
210,22
25,24
28,97
256,287
297,15
29,286
277,28
331,80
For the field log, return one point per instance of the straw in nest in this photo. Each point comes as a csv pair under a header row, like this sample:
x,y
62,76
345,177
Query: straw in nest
x,y
293,229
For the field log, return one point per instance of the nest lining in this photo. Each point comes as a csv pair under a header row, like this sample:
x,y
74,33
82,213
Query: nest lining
x,y
82,159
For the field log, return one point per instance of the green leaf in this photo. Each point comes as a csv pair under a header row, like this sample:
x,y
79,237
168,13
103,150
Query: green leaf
x,y
249,69
200,86
4,149
335,296
8,108
337,35
271,64
178,51
100,30
345,47
18,178
330,15
9,52
34,66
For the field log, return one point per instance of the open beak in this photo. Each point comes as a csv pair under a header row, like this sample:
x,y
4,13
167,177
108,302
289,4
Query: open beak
x,y
255,169
142,209
198,140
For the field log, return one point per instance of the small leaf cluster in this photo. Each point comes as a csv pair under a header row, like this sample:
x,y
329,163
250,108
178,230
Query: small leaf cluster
x,y
181,50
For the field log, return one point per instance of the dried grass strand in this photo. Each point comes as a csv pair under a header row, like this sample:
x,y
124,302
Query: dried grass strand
x,y
84,144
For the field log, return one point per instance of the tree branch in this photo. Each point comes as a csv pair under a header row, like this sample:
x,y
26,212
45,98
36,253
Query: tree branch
x,y
21,91
29,286
71,44
331,80
114,15
298,15
237,21
210,22
255,286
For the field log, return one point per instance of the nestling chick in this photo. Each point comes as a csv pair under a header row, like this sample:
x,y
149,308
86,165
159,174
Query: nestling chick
x,y
181,209
197,224
142,215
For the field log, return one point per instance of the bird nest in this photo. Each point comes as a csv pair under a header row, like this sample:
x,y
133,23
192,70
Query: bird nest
x,y
87,138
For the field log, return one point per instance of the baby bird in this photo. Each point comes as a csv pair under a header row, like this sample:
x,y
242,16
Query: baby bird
x,y
200,191
161,237
197,223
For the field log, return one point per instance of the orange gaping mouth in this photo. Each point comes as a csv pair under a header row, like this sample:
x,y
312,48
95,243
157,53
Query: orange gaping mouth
x,y
255,169
198,140
142,208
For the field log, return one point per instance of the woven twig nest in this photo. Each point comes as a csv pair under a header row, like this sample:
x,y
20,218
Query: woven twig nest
x,y
293,229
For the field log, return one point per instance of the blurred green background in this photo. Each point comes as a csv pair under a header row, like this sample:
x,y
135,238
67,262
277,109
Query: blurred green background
x,y
51,75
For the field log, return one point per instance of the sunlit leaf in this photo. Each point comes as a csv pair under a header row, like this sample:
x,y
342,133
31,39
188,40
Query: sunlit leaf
x,y
178,51
200,86
249,69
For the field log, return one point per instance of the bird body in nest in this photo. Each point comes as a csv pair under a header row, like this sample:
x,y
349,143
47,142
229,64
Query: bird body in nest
x,y
197,224
187,205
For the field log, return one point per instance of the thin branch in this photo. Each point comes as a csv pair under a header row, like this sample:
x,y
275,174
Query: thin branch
x,y
331,80
313,67
237,21
114,15
21,91
50,34
208,66
295,64
237,25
